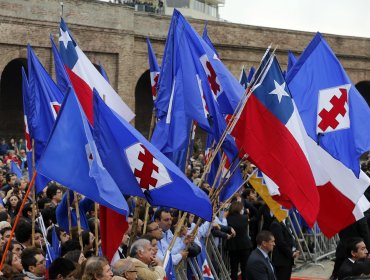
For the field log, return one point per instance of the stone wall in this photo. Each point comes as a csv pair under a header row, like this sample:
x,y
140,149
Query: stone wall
x,y
115,36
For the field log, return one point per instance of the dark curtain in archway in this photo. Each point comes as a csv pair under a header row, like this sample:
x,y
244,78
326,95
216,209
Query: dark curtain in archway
x,y
143,104
364,88
11,104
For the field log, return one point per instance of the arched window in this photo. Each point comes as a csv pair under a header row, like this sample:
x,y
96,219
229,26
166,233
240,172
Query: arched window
x,y
143,104
11,104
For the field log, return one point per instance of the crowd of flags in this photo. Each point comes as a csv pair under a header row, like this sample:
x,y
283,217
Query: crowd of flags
x,y
304,129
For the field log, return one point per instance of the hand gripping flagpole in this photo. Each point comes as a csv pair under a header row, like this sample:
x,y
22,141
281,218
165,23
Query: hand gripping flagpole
x,y
17,219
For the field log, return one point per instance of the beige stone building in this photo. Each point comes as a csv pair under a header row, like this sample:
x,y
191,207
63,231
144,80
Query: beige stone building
x,y
114,35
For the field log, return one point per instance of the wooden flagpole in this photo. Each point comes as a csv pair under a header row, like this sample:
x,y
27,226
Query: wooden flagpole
x,y
79,231
33,197
96,229
69,213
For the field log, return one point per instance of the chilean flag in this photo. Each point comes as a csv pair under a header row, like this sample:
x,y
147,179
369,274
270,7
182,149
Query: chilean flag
x,y
84,77
268,131
154,69
335,117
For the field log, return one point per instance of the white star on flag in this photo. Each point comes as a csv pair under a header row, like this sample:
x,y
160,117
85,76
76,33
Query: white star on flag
x,y
64,37
279,90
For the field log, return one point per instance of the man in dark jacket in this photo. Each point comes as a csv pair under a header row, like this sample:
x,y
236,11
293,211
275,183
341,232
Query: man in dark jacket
x,y
356,250
240,246
284,252
259,266
357,229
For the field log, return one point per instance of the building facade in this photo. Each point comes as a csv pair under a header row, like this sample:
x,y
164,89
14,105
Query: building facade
x,y
115,36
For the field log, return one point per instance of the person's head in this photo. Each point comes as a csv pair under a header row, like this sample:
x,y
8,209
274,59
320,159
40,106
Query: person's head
x,y
13,201
163,218
155,230
5,233
70,245
23,183
356,249
27,210
141,249
22,153
250,195
62,235
153,242
39,238
235,208
97,268
125,268
60,268
10,178
15,247
265,241
75,256
23,232
14,260
4,216
130,221
54,192
49,216
195,173
34,261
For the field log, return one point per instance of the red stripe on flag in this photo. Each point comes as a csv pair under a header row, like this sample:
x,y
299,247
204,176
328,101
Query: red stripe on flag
x,y
84,94
273,148
330,198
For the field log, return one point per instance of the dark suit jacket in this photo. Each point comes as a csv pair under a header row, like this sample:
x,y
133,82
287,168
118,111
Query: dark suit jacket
x,y
241,241
258,267
345,269
282,255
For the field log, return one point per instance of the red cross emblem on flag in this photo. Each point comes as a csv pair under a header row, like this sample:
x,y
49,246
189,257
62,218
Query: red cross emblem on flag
x,y
149,172
206,270
213,81
332,111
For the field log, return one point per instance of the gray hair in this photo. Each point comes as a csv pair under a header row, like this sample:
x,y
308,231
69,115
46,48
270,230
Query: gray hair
x,y
137,246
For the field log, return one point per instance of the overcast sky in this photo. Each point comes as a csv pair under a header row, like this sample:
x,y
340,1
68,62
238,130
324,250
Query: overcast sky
x,y
343,17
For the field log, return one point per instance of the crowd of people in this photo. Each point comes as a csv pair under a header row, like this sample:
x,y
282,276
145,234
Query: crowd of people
x,y
258,246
